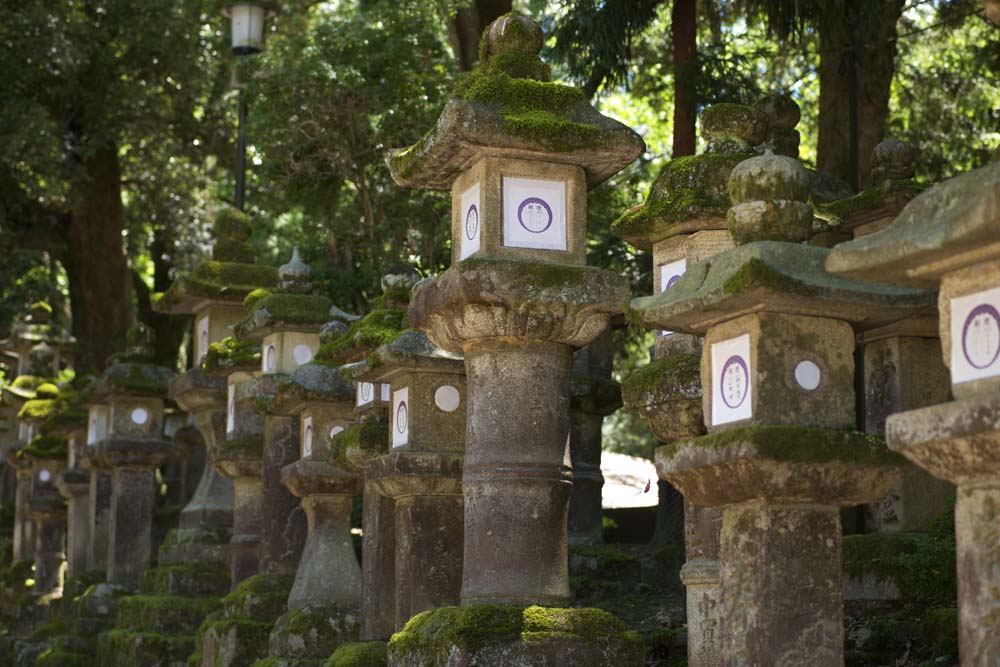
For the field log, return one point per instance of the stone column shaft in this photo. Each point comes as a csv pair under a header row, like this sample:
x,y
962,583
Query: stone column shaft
x,y
24,527
378,554
977,531
781,588
428,555
245,542
329,542
77,527
212,502
49,553
515,481
131,529
585,502
99,518
283,528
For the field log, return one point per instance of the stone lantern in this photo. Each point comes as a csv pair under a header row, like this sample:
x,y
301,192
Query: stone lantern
x,y
422,472
36,328
777,375
518,154
324,604
129,443
348,342
213,294
70,422
946,239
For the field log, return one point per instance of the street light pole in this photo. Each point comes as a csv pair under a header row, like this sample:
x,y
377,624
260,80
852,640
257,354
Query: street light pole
x,y
241,151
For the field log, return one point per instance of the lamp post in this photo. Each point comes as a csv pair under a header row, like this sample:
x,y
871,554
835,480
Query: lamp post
x,y
247,21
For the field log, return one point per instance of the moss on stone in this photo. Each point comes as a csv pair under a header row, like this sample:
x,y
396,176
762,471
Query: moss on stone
x,y
543,276
67,418
262,596
45,447
360,654
378,327
798,444
164,612
126,648
26,382
229,354
756,273
371,438
58,657
38,409
253,298
249,447
220,280
137,378
674,371
473,627
285,308
840,210
47,390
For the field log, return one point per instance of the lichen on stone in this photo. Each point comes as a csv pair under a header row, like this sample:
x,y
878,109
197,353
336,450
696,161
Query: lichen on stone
x,y
378,327
280,308
677,373
368,439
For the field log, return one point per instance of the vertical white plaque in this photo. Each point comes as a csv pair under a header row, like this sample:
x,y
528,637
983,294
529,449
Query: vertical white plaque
x,y
202,339
366,393
231,409
400,416
975,336
732,398
534,214
307,437
471,222
385,393
670,273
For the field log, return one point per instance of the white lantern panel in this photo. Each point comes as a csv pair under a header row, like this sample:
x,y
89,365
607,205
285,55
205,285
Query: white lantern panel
x,y
447,398
247,22
385,393
975,336
400,417
307,437
335,430
270,359
44,475
731,384
670,273
201,348
231,409
139,416
366,393
302,354
534,214
808,375
471,222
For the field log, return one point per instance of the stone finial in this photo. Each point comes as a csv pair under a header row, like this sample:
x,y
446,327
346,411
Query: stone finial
x,y
295,277
139,342
397,284
770,200
892,161
781,114
232,231
513,33
40,360
40,313
732,128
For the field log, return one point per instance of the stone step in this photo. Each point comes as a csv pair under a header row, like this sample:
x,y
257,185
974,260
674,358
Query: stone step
x,y
164,613
127,648
193,581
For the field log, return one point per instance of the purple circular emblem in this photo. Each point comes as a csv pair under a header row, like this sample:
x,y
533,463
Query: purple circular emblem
x,y
981,336
735,380
673,279
401,417
471,222
534,215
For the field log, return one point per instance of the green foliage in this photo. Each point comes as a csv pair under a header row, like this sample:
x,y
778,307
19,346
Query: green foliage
x,y
377,328
360,654
231,353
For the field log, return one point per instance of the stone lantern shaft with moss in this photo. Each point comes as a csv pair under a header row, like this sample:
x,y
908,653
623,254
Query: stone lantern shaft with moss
x,y
946,238
777,375
518,153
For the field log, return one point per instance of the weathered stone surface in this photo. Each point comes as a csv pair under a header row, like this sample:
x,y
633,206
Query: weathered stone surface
x,y
778,278
769,194
74,485
667,395
283,522
378,565
701,577
311,633
481,299
947,227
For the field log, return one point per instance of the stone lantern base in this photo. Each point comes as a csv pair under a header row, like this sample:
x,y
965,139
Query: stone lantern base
x,y
508,636
304,637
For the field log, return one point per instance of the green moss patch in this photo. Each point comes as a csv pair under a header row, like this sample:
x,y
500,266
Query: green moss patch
x,y
366,440
285,308
126,648
798,444
46,447
249,447
38,409
377,328
262,597
137,378
220,280
229,354
475,627
360,654
164,613
841,210
673,372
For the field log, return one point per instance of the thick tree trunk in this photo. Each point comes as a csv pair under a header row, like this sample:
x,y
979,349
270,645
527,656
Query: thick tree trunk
x,y
467,26
874,27
684,31
99,284
169,329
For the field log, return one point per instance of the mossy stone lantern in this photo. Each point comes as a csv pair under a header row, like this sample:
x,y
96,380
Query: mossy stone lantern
x,y
213,294
325,600
39,326
946,239
422,472
777,376
133,389
45,458
517,307
70,422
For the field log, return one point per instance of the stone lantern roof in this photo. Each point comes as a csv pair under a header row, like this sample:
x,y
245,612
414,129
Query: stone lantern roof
x,y
309,384
950,226
133,373
509,107
229,276
410,352
292,307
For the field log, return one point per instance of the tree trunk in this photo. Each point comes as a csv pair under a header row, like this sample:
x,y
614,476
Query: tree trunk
x,y
99,284
684,31
169,329
874,27
467,25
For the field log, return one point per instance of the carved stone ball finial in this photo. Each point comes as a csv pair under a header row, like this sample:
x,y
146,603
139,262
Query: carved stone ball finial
x,y
732,128
781,114
40,360
770,196
514,33
139,342
232,230
296,276
892,160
